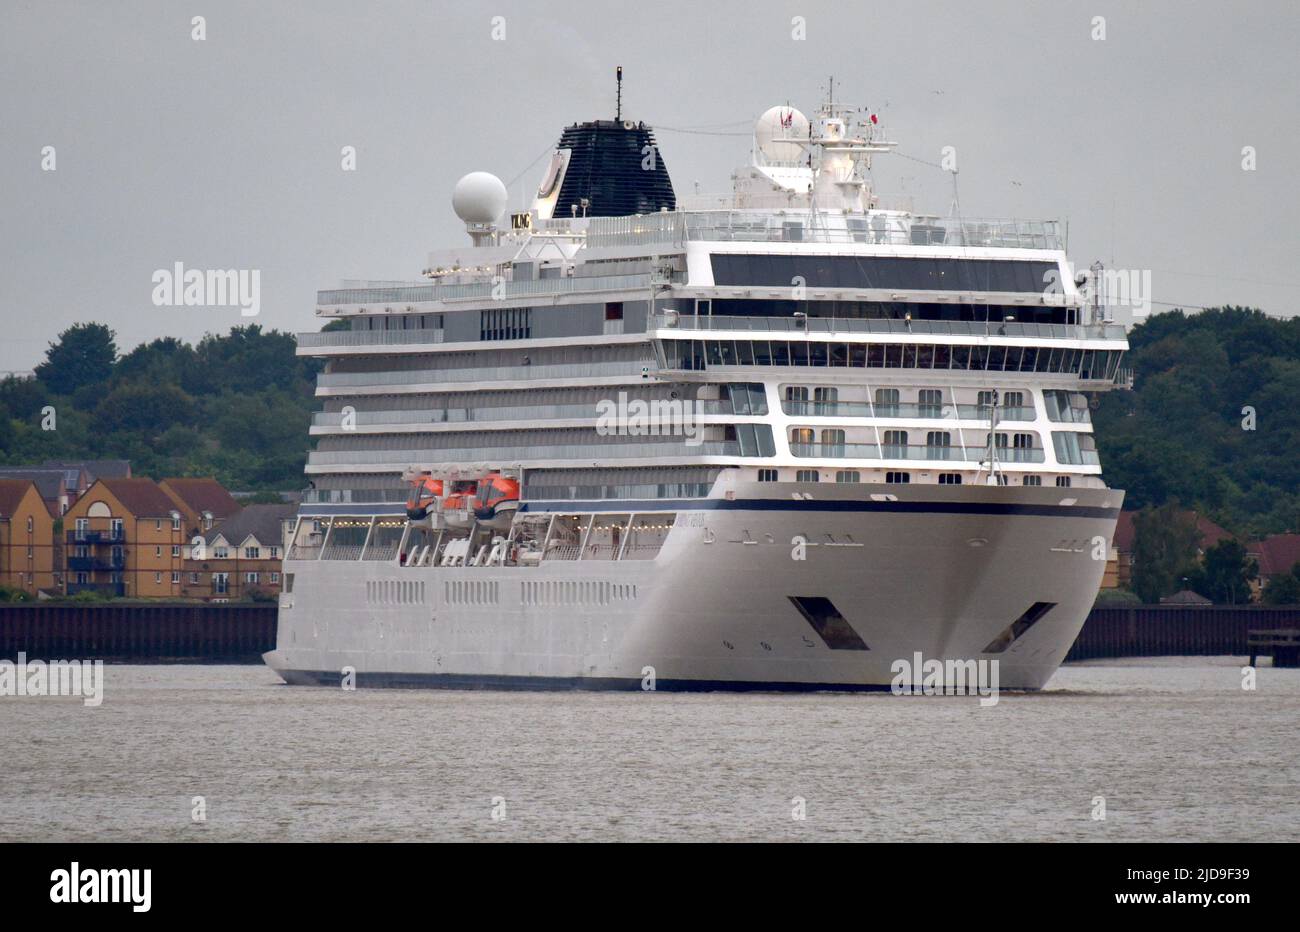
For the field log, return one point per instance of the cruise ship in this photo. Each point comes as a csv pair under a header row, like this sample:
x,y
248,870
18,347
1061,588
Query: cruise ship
x,y
775,439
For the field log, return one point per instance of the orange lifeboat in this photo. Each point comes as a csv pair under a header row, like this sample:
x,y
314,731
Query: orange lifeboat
x,y
497,499
424,496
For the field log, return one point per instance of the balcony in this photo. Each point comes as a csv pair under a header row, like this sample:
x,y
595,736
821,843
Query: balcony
x,y
96,538
921,452
904,410
97,564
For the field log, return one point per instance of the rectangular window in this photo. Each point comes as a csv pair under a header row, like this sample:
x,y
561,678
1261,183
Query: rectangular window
x,y
886,402
220,553
767,475
252,553
194,579
176,578
895,446
898,478
930,402
807,475
614,310
176,550
1032,480
251,578
950,478
513,323
274,553
157,577
1063,482
848,475
275,578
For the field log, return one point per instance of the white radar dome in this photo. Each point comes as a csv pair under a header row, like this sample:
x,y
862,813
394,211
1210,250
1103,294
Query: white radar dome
x,y
780,134
479,197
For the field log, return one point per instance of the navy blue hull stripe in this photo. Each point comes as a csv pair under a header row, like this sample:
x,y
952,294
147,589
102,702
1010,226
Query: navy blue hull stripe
x,y
766,504
549,683
829,505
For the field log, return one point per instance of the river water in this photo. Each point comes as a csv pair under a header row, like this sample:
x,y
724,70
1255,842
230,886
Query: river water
x,y
1175,746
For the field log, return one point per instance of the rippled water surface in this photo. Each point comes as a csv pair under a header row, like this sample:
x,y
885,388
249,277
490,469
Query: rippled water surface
x,y
1176,747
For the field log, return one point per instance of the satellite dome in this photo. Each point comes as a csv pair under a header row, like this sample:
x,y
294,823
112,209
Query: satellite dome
x,y
780,133
479,197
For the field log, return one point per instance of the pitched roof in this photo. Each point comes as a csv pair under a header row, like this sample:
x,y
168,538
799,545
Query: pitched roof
x,y
265,522
201,495
50,482
11,494
1126,531
1277,554
142,497
1185,597
96,469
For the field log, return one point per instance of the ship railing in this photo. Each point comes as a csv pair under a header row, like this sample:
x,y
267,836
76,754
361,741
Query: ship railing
x,y
482,290
353,496
587,451
478,414
909,410
971,328
879,228
369,337
922,452
479,374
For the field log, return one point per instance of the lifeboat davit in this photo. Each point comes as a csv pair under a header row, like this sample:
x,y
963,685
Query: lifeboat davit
x,y
423,499
497,500
459,503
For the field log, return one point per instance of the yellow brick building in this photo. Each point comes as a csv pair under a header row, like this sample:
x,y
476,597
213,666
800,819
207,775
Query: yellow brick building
x,y
26,537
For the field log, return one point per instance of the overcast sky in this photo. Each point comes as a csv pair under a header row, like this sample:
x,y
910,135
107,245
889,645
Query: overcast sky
x,y
225,153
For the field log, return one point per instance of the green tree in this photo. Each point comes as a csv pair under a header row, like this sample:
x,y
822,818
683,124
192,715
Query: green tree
x,y
1164,550
1225,574
83,355
1283,589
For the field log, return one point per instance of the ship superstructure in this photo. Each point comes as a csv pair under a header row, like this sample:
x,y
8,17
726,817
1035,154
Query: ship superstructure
x,y
777,439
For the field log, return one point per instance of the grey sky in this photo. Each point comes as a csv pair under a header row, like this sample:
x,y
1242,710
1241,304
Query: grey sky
x,y
226,153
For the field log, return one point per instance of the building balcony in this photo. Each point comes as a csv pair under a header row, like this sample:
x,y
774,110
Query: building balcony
x,y
96,564
96,538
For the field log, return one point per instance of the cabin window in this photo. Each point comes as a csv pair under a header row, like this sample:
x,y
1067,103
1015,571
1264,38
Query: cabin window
x,y
848,475
614,310
1032,480
950,478
767,475
807,475
898,478
930,402
1063,482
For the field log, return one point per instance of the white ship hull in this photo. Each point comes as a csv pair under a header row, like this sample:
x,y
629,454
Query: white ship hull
x,y
939,571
